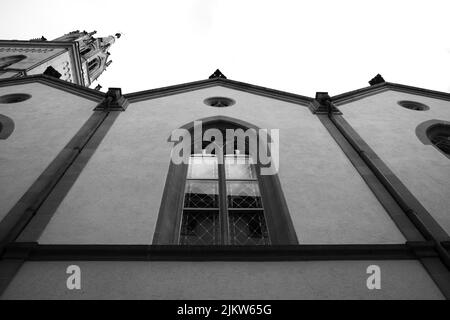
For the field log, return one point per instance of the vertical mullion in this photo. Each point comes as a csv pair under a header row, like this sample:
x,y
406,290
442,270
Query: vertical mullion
x,y
223,206
257,171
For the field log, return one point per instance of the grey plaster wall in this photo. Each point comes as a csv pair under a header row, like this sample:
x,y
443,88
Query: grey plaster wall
x,y
116,198
33,55
44,124
223,280
7,74
62,63
390,130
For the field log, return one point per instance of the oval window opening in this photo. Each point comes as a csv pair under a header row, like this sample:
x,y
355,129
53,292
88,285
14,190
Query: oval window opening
x,y
413,105
219,102
14,98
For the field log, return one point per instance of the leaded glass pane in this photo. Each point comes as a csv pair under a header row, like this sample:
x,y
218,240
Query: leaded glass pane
x,y
248,228
442,142
202,167
201,194
238,167
242,194
199,228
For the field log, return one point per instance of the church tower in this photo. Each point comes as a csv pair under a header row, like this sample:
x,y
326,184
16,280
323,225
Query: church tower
x,y
93,52
78,57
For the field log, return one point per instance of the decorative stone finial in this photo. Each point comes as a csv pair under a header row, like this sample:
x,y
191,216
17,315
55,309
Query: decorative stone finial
x,y
217,74
114,101
39,39
52,72
322,104
376,80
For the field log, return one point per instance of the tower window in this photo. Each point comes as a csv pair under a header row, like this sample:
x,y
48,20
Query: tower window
x,y
93,64
85,51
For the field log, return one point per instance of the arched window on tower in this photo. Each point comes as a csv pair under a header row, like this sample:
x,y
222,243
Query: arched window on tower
x,y
85,50
10,60
219,197
93,64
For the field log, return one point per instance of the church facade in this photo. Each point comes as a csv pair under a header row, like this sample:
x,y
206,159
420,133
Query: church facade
x,y
144,196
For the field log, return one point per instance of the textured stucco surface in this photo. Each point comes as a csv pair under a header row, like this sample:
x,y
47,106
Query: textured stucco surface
x,y
33,55
44,124
62,63
223,280
390,131
116,198
7,74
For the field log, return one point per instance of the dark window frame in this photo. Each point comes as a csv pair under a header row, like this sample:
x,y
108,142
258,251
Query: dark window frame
x,y
279,224
6,127
423,133
93,65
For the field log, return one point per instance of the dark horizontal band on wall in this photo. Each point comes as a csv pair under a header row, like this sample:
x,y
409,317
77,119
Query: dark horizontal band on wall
x,y
36,252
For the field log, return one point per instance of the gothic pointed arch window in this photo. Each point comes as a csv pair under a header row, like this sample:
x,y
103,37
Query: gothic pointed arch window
x,y
439,135
218,196
6,127
436,133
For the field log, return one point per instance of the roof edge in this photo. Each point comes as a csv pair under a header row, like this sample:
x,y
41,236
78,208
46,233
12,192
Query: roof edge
x,y
339,99
47,43
73,88
242,86
361,93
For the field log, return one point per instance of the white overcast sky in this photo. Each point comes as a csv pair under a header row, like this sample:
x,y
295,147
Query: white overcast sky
x,y
295,46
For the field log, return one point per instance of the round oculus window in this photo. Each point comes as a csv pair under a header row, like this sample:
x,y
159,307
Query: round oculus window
x,y
219,102
14,98
413,105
